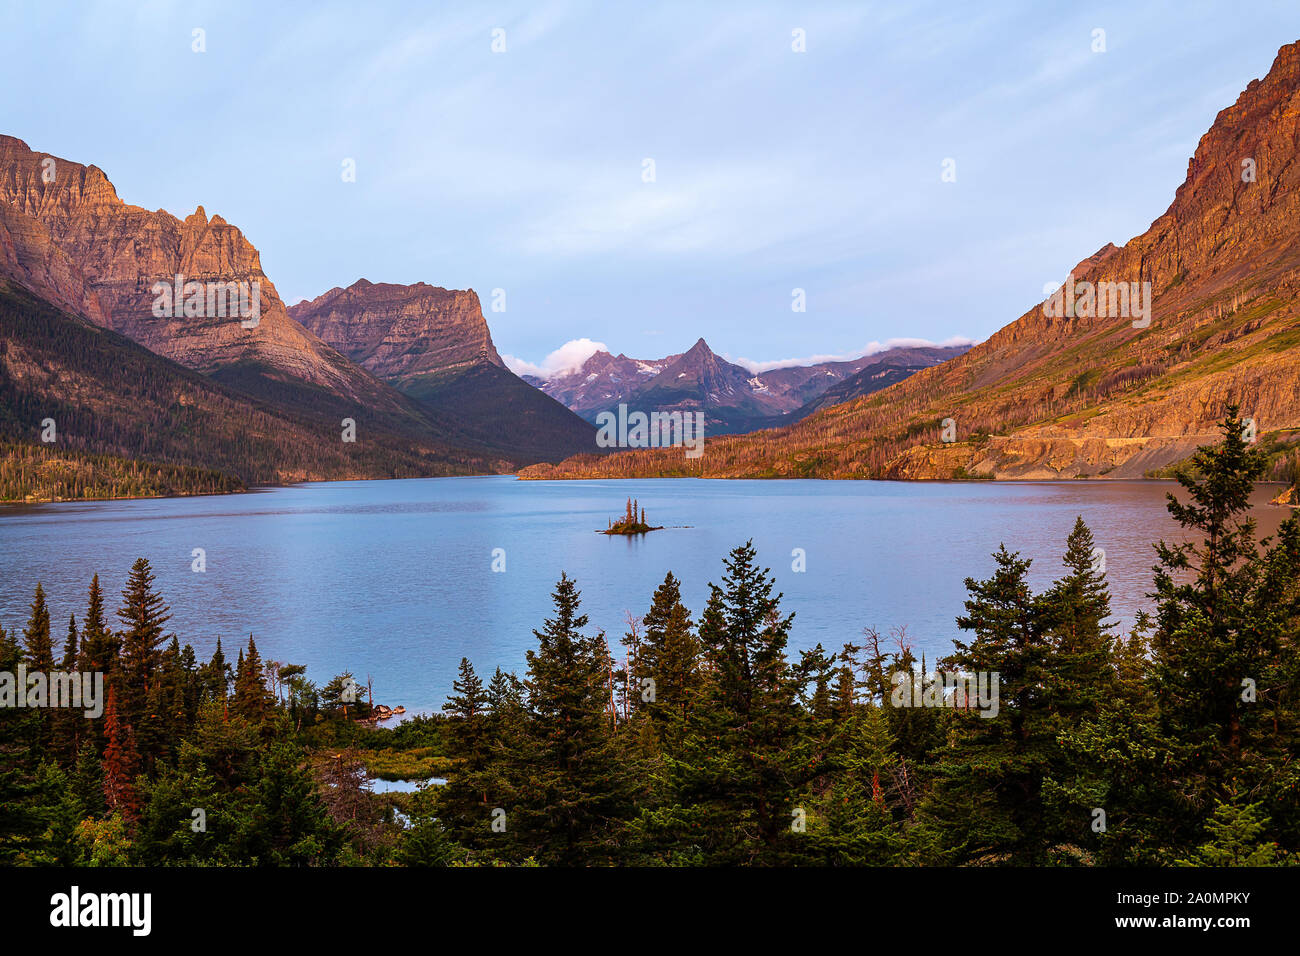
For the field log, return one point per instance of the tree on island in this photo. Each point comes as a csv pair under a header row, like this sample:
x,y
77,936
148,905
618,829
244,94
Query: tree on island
x,y
630,523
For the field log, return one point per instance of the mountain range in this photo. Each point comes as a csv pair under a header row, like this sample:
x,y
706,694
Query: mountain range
x,y
732,398
73,253
1056,394
141,398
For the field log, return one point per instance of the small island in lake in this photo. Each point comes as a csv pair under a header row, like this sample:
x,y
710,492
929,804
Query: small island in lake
x,y
629,524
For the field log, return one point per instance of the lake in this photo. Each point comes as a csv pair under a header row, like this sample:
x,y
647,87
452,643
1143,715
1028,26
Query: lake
x,y
393,580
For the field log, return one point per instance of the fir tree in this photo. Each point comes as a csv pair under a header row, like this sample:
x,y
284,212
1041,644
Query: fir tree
x,y
99,646
121,762
463,803
40,659
20,825
215,678
251,699
36,638
571,789
143,615
989,800
669,658
69,723
743,756
1075,610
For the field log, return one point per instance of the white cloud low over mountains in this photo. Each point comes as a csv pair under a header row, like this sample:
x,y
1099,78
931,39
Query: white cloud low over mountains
x,y
567,358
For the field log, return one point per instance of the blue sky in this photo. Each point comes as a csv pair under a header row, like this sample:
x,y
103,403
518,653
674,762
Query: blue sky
x,y
774,170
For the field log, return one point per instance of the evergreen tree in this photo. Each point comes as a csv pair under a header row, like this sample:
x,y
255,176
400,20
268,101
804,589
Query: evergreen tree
x,y
1225,613
856,825
988,799
87,782
36,638
40,659
69,723
1235,839
121,762
463,804
669,658
251,700
571,789
1225,661
143,615
1082,678
215,678
743,756
20,824
99,646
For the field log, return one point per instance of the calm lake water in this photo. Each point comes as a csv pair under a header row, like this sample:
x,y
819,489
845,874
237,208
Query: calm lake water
x,y
394,580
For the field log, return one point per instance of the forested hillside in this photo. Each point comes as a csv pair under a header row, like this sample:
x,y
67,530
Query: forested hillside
x,y
703,740
126,421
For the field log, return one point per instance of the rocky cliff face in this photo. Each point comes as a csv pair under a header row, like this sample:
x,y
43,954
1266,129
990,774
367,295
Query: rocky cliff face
x,y
1055,394
400,331
29,257
434,346
89,237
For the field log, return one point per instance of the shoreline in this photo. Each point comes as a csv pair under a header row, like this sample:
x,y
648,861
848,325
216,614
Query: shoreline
x,y
13,503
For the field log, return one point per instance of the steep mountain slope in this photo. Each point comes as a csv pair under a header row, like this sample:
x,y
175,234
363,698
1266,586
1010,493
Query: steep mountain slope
x,y
109,396
1060,395
881,371
434,346
65,235
732,398
120,251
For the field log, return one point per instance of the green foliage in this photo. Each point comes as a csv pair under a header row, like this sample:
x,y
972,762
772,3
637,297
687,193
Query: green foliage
x,y
709,745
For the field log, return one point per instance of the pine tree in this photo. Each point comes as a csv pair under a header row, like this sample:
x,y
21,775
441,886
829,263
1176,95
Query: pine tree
x,y
20,825
463,805
121,762
571,789
669,658
251,700
1235,838
846,684
143,615
87,783
36,638
99,646
215,678
743,756
1226,665
507,739
988,802
68,723
856,826
167,699
1075,610
1226,623
40,659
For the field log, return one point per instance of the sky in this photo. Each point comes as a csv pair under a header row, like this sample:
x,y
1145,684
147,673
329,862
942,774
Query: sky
x,y
524,168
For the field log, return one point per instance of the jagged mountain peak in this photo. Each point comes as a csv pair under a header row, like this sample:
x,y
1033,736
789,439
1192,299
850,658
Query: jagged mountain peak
x,y
732,397
1101,393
